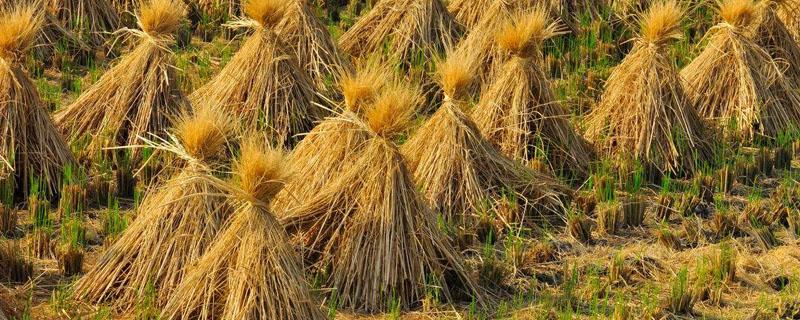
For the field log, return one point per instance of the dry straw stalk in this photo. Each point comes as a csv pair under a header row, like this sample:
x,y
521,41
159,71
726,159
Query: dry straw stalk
x,y
471,13
787,11
644,112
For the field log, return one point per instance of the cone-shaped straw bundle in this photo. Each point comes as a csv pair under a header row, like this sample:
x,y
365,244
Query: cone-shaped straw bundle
x,y
251,271
644,113
518,112
93,19
138,96
263,84
175,224
736,83
410,32
460,172
334,143
31,145
313,46
773,35
372,229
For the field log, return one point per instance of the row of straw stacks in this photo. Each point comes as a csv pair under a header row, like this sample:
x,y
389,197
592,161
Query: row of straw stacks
x,y
352,205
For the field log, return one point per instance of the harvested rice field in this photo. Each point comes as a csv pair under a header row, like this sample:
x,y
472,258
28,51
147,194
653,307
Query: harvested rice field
x,y
399,159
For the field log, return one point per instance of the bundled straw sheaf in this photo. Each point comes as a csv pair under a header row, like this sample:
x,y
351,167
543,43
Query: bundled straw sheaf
x,y
91,19
175,223
644,113
31,146
334,143
251,270
773,35
266,13
518,112
736,83
315,50
392,111
409,31
137,97
262,173
204,133
263,84
373,231
460,172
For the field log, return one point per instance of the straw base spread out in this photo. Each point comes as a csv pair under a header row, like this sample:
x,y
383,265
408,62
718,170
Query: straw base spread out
x,y
250,272
31,146
175,226
462,175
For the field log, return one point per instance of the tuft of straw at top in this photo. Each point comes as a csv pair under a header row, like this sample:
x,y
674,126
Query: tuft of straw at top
x,y
739,13
393,108
161,17
204,133
455,76
359,89
662,22
267,13
18,30
262,171
524,33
